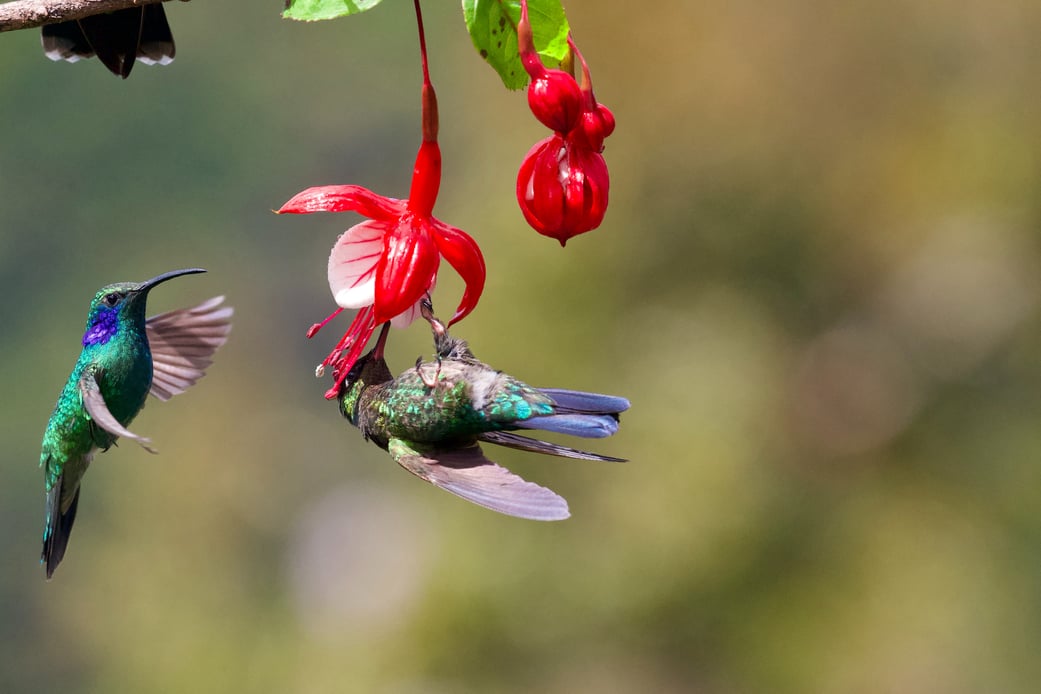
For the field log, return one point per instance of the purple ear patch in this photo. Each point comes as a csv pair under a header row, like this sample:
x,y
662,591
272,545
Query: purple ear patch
x,y
103,327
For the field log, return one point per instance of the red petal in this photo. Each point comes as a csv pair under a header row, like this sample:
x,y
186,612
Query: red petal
x,y
538,185
407,267
344,199
354,340
463,254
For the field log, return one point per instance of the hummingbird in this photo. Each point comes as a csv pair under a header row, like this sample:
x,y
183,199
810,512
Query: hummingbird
x,y
117,38
125,358
432,419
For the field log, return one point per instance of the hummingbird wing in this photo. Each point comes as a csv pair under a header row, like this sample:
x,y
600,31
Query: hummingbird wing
x,y
183,343
465,472
94,403
523,443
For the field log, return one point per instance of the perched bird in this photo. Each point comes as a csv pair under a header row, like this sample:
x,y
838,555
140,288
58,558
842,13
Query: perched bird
x,y
117,38
432,418
125,357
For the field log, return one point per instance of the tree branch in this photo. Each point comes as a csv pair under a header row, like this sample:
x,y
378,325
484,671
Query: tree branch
x,y
28,14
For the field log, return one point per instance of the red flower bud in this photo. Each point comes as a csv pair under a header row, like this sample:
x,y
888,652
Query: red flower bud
x,y
562,188
593,127
556,100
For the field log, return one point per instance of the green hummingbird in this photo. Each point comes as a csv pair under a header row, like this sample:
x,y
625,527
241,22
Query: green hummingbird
x,y
125,357
433,417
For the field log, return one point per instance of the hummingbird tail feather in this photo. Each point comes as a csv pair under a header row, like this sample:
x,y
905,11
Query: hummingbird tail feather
x,y
59,526
587,426
576,401
523,443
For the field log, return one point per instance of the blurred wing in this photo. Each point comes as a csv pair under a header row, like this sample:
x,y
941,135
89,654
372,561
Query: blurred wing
x,y
183,343
94,403
523,443
466,473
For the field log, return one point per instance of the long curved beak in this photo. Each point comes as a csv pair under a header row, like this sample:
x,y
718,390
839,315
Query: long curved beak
x,y
159,279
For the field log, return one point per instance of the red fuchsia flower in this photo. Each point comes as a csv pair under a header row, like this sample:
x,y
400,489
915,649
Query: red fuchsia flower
x,y
385,265
563,182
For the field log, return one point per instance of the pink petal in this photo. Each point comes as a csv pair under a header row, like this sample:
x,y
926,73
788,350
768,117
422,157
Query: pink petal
x,y
352,264
344,199
464,255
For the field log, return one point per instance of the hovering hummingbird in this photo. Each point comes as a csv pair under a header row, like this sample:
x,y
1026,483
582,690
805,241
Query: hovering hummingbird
x,y
125,357
432,418
117,38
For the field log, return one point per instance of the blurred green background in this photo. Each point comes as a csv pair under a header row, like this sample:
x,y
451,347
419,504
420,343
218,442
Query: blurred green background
x,y
817,282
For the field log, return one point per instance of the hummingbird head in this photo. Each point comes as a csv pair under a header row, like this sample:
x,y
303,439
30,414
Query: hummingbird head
x,y
370,370
446,346
121,303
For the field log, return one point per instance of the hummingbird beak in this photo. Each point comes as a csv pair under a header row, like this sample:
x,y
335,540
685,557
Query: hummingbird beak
x,y
381,342
426,309
149,284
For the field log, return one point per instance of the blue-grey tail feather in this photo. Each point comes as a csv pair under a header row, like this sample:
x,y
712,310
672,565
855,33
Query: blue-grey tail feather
x,y
577,401
59,526
588,426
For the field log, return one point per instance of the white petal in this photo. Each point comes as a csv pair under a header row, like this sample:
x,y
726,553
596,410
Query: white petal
x,y
405,318
352,265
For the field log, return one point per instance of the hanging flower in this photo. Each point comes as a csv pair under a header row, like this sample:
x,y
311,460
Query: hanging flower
x,y
563,182
385,265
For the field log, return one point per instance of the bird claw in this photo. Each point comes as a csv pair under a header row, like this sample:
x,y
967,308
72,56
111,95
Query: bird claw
x,y
432,381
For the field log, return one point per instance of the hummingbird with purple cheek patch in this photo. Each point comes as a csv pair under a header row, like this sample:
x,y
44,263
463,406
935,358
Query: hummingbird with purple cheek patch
x,y
125,357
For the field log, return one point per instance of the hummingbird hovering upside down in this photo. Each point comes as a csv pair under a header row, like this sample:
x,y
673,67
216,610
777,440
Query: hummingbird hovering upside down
x,y
117,38
125,357
432,418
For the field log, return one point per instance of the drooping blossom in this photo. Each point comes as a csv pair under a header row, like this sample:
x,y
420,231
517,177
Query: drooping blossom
x,y
385,265
563,182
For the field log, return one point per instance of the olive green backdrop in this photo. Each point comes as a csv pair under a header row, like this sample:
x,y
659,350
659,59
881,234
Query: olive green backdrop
x,y
817,282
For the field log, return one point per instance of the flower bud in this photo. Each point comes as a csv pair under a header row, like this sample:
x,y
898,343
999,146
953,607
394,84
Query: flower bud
x,y
556,100
562,188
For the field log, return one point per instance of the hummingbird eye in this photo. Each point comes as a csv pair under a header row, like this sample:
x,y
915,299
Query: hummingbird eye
x,y
112,298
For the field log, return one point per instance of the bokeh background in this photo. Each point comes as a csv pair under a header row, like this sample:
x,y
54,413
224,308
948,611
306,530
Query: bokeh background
x,y
817,282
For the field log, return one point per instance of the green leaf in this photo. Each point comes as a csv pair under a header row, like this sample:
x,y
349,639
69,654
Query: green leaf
x,y
314,10
493,29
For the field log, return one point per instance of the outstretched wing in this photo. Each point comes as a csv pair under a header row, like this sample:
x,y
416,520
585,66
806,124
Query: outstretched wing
x,y
523,443
183,343
466,473
94,403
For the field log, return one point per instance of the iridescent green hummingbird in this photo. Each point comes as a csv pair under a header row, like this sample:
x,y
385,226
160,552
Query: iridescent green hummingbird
x,y
125,357
432,418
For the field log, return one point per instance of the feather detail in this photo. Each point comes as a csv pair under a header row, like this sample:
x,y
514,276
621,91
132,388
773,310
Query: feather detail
x,y
588,426
523,443
591,403
466,473
183,343
94,403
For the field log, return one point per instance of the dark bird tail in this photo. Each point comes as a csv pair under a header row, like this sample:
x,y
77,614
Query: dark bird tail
x,y
59,526
588,415
117,38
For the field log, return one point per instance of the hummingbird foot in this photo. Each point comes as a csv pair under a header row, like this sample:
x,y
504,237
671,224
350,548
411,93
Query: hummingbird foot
x,y
431,381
